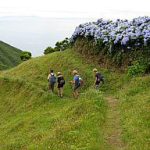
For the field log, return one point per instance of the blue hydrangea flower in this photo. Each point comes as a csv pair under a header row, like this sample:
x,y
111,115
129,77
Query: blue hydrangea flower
x,y
120,32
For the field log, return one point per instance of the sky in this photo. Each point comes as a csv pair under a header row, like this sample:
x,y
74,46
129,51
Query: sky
x,y
113,9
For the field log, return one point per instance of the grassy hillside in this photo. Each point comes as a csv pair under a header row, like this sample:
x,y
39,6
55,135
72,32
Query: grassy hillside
x,y
9,56
32,118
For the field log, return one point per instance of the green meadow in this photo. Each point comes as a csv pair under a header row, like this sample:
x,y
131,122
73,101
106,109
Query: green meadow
x,y
115,116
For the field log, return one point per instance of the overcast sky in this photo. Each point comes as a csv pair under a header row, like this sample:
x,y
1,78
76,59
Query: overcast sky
x,y
76,8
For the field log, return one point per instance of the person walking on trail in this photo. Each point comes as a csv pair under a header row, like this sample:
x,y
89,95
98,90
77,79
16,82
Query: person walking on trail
x,y
60,84
98,78
76,84
52,80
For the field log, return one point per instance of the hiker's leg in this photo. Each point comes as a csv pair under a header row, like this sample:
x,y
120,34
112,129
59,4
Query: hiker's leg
x,y
96,86
61,90
75,92
58,91
52,86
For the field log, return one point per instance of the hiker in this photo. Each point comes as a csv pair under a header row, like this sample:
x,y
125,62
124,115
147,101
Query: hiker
x,y
60,84
98,78
52,80
77,81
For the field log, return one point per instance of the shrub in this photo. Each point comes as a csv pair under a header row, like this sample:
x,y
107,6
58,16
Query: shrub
x,y
62,45
136,68
59,46
25,55
48,50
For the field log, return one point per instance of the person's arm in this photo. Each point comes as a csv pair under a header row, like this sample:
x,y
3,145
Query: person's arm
x,y
73,81
57,80
95,80
48,77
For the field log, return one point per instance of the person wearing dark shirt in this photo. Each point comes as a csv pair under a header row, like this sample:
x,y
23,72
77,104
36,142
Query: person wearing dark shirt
x,y
97,78
60,84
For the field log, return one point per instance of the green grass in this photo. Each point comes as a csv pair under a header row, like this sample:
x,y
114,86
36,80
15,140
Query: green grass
x,y
9,56
133,98
32,118
134,106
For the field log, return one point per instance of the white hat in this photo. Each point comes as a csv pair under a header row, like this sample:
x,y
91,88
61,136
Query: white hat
x,y
59,73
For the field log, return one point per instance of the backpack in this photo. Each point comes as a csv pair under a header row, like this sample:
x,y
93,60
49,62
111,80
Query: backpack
x,y
100,77
80,81
52,79
62,81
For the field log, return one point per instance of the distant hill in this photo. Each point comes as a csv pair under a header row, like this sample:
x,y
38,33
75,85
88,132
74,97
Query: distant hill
x,y
9,56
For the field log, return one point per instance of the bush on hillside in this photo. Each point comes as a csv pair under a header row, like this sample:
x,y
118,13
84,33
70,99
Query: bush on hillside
x,y
62,45
135,68
48,50
59,46
25,55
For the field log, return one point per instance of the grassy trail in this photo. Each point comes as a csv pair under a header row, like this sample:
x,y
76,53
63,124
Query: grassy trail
x,y
112,128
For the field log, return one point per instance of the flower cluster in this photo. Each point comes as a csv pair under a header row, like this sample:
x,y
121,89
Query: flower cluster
x,y
122,32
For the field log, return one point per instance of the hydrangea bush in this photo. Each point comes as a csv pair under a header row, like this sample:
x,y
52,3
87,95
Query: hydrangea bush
x,y
121,41
124,33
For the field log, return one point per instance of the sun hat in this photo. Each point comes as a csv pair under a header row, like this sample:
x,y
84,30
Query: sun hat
x,y
75,71
94,70
58,73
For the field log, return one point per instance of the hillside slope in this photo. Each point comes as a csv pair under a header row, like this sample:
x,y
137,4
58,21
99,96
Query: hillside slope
x,y
9,56
32,118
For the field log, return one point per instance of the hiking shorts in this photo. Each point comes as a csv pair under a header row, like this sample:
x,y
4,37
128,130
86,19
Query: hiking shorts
x,y
60,86
97,83
75,87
